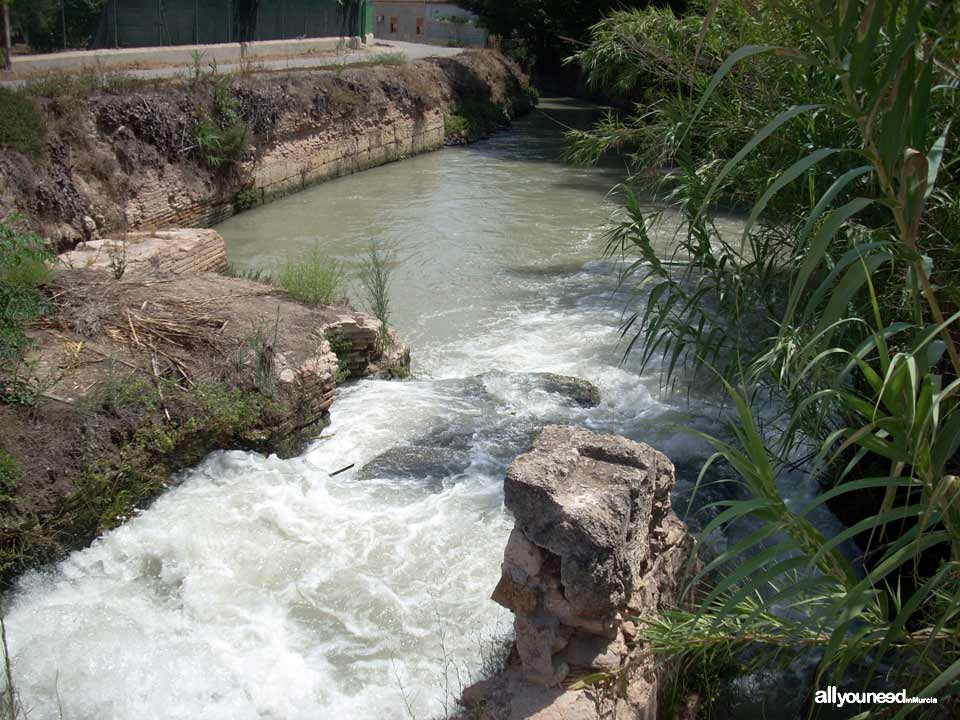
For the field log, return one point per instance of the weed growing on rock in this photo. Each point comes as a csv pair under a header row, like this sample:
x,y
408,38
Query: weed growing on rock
x,y
314,278
375,275
340,346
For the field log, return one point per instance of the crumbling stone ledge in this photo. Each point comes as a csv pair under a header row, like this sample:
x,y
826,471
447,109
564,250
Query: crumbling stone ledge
x,y
595,542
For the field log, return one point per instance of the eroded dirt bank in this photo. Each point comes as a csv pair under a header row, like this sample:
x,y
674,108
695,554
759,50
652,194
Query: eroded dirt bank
x,y
122,155
130,380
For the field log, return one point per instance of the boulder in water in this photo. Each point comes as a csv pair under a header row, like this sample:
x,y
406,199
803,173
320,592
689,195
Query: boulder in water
x,y
580,391
416,462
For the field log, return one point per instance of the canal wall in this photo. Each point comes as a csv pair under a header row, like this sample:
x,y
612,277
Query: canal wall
x,y
125,156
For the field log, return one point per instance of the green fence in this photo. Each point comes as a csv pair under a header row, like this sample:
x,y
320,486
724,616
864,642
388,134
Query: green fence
x,y
147,23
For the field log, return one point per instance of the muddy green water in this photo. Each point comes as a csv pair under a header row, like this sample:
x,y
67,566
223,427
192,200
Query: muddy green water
x,y
262,588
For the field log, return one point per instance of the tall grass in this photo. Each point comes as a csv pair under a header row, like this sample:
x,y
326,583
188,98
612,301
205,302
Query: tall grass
x,y
836,295
313,278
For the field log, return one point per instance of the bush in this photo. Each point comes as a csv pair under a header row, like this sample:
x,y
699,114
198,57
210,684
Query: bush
x,y
313,278
245,199
221,137
23,269
22,125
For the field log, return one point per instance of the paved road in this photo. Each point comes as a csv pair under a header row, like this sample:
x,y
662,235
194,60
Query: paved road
x,y
366,53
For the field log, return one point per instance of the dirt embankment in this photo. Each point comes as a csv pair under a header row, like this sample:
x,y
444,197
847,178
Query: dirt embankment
x,y
119,154
129,380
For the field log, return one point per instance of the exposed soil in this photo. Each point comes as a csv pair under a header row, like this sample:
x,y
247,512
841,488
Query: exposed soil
x,y
132,380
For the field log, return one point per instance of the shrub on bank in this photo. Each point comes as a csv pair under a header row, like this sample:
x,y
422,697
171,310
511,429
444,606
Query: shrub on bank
x,y
313,278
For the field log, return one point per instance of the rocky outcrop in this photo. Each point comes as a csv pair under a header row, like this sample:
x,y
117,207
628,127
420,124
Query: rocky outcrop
x,y
595,549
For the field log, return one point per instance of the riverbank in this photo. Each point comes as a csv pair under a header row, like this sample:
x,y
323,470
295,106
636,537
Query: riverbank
x,y
103,154
129,380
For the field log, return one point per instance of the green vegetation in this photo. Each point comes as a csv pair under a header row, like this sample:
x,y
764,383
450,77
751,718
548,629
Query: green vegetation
x,y
473,118
455,126
245,199
129,438
246,273
831,123
111,485
221,138
23,270
340,346
375,276
541,33
313,278
22,126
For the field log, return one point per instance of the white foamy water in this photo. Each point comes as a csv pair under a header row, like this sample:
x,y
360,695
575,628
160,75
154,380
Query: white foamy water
x,y
263,588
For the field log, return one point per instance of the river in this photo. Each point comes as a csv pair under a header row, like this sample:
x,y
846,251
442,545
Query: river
x,y
264,588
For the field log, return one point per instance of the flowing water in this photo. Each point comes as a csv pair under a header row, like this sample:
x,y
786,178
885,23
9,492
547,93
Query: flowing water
x,y
264,588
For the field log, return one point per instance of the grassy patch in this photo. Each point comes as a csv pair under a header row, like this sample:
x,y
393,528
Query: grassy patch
x,y
22,125
10,472
314,278
246,273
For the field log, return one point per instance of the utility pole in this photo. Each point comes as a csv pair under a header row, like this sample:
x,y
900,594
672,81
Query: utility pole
x,y
6,34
